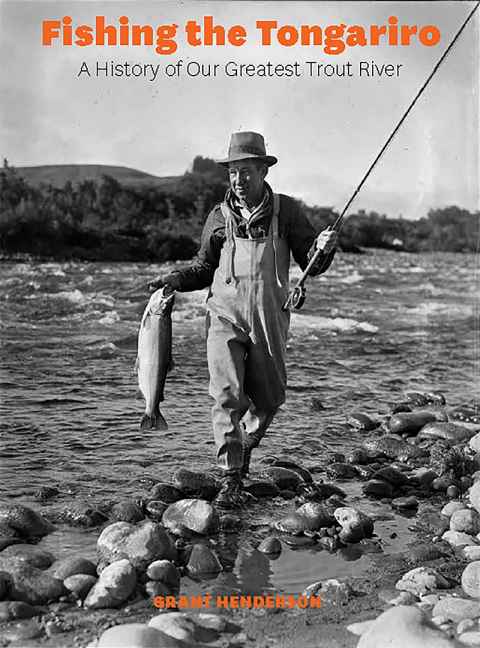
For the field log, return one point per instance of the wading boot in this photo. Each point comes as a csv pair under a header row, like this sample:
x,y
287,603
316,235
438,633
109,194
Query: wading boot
x,y
231,495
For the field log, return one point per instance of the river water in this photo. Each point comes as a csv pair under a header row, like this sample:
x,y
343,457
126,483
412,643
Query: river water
x,y
373,327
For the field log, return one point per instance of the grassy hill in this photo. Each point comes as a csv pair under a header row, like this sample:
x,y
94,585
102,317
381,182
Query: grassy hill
x,y
58,174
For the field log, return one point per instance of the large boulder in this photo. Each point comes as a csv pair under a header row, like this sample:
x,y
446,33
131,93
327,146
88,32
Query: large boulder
x,y
195,484
409,423
116,583
140,544
24,521
189,516
355,525
34,586
405,626
465,521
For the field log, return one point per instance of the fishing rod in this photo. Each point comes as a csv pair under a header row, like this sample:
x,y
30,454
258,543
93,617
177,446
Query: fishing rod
x,y
296,297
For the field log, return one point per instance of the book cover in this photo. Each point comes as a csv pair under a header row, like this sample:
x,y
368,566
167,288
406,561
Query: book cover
x,y
200,146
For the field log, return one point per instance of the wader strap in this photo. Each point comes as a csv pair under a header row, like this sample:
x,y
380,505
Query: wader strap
x,y
274,228
230,241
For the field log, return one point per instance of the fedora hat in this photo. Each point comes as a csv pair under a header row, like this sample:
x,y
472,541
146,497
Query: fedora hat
x,y
247,145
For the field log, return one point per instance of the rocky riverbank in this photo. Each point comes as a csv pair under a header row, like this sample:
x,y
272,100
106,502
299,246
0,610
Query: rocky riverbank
x,y
422,461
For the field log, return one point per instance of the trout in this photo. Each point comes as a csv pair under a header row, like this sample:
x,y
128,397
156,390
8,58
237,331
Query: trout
x,y
154,356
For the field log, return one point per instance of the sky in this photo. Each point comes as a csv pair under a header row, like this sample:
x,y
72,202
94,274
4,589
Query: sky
x,y
324,131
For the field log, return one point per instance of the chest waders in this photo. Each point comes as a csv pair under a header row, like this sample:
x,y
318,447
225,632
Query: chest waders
x,y
247,337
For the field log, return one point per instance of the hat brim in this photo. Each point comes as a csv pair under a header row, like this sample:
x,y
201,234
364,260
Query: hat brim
x,y
269,160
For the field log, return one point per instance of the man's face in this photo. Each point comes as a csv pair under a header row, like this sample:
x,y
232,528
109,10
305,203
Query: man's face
x,y
246,180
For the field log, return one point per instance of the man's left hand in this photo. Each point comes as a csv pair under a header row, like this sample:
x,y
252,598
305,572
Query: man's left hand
x,y
326,240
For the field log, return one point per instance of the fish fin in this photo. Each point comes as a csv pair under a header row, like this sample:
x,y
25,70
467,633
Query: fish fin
x,y
153,422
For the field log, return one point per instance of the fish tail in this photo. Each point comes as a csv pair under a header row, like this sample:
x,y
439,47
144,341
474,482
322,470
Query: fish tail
x,y
153,421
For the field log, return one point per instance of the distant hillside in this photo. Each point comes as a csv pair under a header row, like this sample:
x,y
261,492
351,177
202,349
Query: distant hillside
x,y
58,174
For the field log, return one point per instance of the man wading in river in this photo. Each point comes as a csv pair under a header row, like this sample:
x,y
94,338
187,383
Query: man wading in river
x,y
244,257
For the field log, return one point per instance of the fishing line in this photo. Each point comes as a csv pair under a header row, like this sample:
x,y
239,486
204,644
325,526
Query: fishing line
x,y
297,295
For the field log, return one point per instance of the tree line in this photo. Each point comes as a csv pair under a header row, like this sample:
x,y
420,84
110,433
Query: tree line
x,y
111,221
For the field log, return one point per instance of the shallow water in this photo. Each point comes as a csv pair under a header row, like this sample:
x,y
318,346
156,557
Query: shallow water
x,y
372,328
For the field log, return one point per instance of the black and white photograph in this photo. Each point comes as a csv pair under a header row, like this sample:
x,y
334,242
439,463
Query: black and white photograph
x,y
240,349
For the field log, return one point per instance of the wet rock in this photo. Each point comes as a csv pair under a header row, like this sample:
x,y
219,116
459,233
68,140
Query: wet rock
x,y
400,407
422,580
230,523
355,525
164,571
361,422
405,503
339,470
433,521
441,484
466,414
13,610
184,627
115,584
283,478
456,609
423,476
449,509
270,545
45,493
471,579
80,584
155,509
23,631
359,456
331,591
71,566
465,520
436,397
24,521
126,512
409,423
471,552
364,472
404,626
157,588
261,488
302,472
474,496
83,514
27,554
286,494
391,475
34,586
377,488
191,516
311,516
416,398
451,432
458,539
134,635
391,447
8,536
202,562
166,493
196,484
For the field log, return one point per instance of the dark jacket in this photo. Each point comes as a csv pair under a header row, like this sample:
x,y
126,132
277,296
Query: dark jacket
x,y
292,225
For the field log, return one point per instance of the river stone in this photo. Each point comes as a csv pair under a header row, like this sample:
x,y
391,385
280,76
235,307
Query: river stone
x,y
34,586
465,520
422,553
300,470
12,610
331,591
84,514
361,421
474,443
323,490
391,447
355,525
126,512
391,475
22,631
456,609
26,554
8,536
405,626
449,509
471,579
417,399
358,456
409,423
270,545
166,493
202,562
311,516
422,580
164,571
184,627
71,566
155,509
377,488
474,496
458,539
191,515
283,478
451,432
24,521
405,503
261,488
471,638
80,584
135,635
115,584
338,470
471,552
141,544
423,476
196,484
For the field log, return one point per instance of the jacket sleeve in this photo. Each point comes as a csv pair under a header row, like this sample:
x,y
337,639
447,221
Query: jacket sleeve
x,y
301,239
199,274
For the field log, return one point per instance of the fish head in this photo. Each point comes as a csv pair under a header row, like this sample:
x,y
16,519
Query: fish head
x,y
161,302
